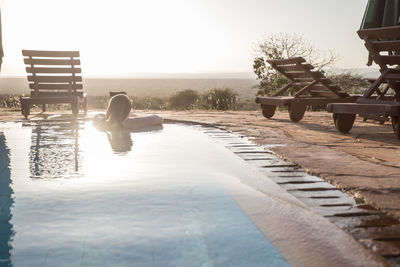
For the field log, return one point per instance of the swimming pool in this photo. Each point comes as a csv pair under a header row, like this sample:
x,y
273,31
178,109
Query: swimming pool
x,y
75,196
71,195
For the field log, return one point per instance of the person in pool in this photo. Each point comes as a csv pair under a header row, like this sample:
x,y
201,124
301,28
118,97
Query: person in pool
x,y
117,116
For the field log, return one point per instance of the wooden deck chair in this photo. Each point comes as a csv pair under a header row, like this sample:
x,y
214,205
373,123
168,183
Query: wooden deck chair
x,y
53,80
384,46
311,88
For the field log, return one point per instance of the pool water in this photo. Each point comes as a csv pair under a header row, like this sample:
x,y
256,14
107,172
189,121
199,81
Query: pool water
x,y
75,196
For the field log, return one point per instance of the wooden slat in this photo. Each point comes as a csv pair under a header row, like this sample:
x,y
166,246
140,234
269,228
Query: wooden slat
x,y
311,75
356,108
71,99
303,79
287,61
56,86
390,60
306,100
393,76
60,62
55,79
271,100
387,32
364,100
42,53
56,94
53,70
386,45
301,67
298,74
300,83
317,74
323,93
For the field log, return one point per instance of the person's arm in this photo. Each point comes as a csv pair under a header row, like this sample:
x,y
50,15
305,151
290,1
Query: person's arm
x,y
137,123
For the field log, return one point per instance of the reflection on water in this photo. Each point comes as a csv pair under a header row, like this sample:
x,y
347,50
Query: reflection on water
x,y
6,201
120,141
55,150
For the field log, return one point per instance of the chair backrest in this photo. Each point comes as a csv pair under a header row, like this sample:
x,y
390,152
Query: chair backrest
x,y
53,73
383,45
301,74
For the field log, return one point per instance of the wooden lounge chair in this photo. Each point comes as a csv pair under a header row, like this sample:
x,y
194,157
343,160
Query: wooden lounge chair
x,y
384,46
311,88
53,80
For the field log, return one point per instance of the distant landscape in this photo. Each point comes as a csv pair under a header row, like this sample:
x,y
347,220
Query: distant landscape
x,y
162,85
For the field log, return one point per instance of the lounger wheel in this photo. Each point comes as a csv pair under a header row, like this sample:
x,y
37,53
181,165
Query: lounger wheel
x,y
344,122
296,111
396,126
268,111
25,110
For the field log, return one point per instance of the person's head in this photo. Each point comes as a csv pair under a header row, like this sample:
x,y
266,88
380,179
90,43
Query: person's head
x,y
118,109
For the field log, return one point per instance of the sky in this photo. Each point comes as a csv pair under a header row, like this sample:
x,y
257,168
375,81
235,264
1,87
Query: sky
x,y
175,36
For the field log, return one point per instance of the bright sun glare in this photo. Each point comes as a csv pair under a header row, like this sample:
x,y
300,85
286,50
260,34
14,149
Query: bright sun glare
x,y
120,36
136,36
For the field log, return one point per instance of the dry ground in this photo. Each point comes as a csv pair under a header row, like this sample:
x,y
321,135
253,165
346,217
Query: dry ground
x,y
365,162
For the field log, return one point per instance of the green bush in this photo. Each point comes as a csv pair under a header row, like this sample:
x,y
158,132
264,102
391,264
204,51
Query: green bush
x,y
186,99
217,98
10,101
350,82
247,105
220,99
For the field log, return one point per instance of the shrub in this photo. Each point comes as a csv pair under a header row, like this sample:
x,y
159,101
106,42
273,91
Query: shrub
x,y
10,101
246,105
350,82
185,99
220,99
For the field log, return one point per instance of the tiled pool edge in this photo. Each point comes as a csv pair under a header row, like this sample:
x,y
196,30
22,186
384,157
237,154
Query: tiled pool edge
x,y
310,247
